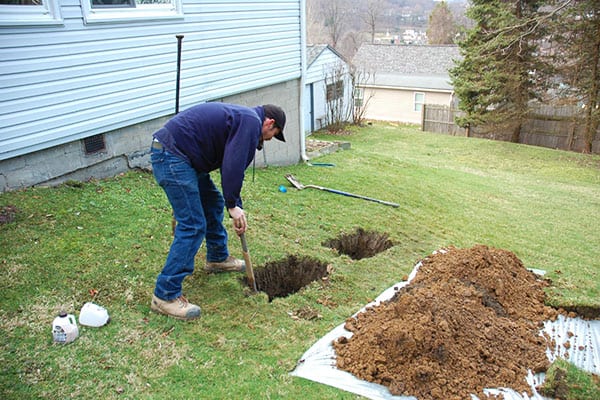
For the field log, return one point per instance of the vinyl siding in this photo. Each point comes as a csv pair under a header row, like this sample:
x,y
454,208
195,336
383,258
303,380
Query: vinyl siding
x,y
322,66
396,104
65,82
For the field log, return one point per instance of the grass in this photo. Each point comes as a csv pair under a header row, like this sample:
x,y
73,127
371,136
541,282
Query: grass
x,y
564,381
105,241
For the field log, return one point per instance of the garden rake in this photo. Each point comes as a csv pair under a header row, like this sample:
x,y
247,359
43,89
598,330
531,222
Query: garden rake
x,y
300,186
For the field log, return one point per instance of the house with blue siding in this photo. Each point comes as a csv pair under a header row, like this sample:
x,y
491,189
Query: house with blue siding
x,y
85,83
327,86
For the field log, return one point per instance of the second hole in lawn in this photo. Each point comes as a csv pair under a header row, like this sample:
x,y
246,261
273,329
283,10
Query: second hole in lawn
x,y
360,244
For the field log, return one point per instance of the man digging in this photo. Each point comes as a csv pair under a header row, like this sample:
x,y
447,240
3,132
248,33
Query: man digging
x,y
193,143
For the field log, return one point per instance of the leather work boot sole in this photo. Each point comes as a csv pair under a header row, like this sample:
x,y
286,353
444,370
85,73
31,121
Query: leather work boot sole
x,y
231,264
178,308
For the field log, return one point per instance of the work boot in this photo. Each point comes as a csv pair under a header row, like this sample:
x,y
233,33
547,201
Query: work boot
x,y
178,308
231,264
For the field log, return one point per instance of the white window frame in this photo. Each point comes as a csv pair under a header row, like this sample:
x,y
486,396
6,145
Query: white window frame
x,y
47,13
418,103
128,14
359,94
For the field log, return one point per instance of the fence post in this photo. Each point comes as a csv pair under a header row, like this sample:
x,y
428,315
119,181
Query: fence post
x,y
571,136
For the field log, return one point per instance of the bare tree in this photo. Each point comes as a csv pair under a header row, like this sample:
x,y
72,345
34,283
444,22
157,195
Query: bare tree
x,y
334,14
350,43
372,15
361,96
338,111
442,28
315,31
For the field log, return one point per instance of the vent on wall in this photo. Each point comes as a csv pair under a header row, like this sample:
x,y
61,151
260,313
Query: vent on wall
x,y
94,144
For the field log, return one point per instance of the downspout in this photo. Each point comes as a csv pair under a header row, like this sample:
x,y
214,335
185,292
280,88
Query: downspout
x,y
302,79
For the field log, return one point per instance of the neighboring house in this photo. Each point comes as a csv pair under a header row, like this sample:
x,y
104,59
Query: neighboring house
x,y
327,87
85,83
403,78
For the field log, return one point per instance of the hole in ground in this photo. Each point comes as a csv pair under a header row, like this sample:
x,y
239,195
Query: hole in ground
x,y
586,312
360,244
284,277
7,214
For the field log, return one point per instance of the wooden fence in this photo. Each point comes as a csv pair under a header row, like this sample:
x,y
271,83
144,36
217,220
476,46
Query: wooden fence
x,y
546,126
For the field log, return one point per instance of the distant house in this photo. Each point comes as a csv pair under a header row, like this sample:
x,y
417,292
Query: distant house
x,y
327,85
84,83
403,78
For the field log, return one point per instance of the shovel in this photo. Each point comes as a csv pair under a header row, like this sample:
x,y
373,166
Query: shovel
x,y
300,186
249,270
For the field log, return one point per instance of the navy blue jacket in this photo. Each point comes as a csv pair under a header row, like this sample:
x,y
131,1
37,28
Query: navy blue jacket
x,y
216,135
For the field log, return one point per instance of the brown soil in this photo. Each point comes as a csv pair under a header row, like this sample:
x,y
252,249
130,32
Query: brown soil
x,y
284,277
7,214
360,244
469,320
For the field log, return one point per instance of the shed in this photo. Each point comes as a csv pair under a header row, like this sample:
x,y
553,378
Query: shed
x,y
327,87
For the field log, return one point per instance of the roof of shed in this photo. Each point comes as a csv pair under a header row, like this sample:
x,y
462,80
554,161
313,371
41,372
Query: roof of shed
x,y
313,51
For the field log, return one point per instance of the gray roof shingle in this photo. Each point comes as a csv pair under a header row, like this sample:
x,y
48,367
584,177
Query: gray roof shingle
x,y
409,65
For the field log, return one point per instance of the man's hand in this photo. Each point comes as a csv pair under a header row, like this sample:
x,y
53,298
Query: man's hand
x,y
239,220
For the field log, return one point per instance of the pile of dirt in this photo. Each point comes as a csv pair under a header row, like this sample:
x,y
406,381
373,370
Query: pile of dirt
x,y
469,320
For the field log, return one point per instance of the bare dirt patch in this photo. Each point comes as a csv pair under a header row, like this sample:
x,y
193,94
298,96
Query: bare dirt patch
x,y
469,320
360,244
284,277
7,214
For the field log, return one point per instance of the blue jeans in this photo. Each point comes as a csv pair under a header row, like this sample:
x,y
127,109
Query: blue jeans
x,y
198,207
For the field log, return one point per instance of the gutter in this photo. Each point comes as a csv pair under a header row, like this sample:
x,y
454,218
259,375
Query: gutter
x,y
303,60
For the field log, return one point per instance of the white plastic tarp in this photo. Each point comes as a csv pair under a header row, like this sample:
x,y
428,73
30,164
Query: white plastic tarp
x,y
318,362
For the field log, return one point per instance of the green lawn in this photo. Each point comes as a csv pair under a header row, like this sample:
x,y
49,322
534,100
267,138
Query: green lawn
x,y
110,237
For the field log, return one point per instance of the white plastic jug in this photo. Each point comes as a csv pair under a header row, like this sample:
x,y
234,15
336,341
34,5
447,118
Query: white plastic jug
x,y
93,315
64,328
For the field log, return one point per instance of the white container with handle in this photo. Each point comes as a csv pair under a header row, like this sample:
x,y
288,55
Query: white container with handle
x,y
64,328
93,315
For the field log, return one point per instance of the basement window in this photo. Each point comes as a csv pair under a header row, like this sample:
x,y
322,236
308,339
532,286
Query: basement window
x,y
94,144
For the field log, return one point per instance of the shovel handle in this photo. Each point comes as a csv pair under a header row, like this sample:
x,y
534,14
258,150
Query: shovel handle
x,y
387,203
249,270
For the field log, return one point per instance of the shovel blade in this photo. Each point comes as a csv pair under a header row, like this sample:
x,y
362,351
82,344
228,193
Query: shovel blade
x,y
294,182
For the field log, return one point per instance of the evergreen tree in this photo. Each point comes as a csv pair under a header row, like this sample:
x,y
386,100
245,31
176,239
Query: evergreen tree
x,y
576,42
498,74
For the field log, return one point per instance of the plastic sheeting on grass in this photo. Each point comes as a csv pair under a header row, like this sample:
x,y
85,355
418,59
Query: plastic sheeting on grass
x,y
318,363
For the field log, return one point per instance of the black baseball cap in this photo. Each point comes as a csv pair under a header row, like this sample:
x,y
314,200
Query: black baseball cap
x,y
276,113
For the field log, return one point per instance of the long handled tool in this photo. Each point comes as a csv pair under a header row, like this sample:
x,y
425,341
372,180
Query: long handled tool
x,y
179,44
300,186
249,270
